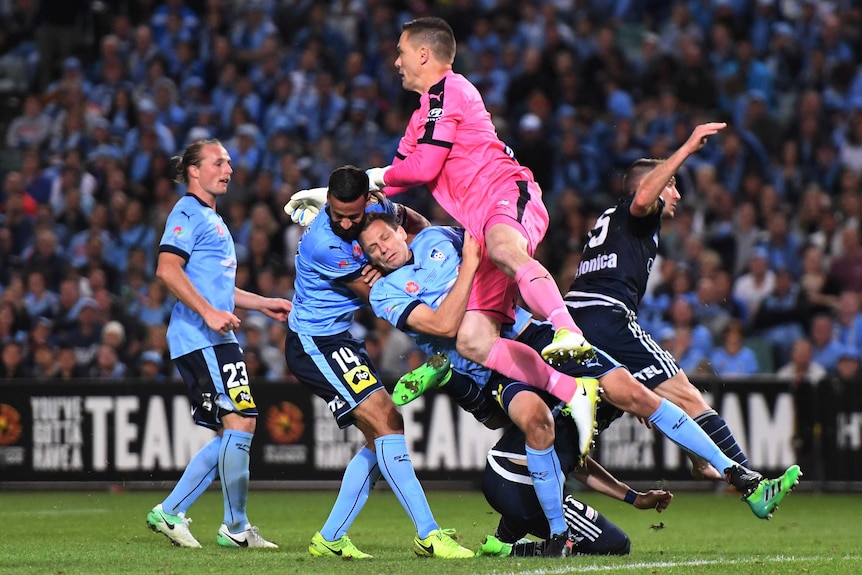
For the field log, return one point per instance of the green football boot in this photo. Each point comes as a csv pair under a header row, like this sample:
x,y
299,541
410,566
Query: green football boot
x,y
493,547
435,372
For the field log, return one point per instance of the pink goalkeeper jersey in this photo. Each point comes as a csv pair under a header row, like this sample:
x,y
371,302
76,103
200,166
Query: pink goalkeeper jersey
x,y
452,146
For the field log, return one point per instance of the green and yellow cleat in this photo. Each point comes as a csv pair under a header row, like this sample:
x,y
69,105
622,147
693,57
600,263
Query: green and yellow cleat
x,y
342,547
567,345
439,543
493,547
435,372
769,493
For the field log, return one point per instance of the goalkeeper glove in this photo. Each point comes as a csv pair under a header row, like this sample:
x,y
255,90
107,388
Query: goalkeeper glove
x,y
304,205
375,178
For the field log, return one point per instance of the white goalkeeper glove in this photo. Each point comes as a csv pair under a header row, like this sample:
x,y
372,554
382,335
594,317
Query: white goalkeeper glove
x,y
375,178
304,205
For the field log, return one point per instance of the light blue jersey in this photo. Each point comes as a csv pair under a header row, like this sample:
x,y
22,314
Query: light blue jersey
x,y
196,233
325,264
427,279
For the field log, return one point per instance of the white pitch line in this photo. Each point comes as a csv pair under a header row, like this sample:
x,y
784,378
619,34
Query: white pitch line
x,y
659,564
55,512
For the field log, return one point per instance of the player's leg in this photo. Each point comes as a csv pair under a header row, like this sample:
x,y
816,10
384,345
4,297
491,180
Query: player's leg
x,y
513,230
680,391
343,385
237,413
479,340
338,369
169,517
762,495
531,414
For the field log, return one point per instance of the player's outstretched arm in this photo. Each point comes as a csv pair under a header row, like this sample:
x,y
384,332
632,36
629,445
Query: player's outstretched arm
x,y
446,319
650,187
275,307
596,477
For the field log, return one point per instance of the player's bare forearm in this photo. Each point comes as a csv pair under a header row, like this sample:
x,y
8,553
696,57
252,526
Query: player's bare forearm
x,y
446,319
650,187
276,308
596,477
170,269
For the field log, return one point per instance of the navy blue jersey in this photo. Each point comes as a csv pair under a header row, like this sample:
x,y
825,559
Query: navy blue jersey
x,y
617,258
195,232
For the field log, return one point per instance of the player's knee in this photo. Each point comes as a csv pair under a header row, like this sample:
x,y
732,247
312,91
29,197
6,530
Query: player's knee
x,y
377,416
539,432
472,347
624,547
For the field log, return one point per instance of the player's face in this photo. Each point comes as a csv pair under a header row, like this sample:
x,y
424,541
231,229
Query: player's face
x,y
346,217
384,247
671,196
213,172
409,64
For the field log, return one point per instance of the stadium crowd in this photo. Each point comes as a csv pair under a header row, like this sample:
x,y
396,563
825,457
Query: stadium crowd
x,y
760,271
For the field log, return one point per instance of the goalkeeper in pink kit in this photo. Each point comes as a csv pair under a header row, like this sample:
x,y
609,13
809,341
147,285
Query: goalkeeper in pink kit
x,y
451,145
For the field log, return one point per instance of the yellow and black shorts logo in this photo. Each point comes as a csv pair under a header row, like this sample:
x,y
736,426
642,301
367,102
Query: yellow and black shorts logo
x,y
360,378
241,397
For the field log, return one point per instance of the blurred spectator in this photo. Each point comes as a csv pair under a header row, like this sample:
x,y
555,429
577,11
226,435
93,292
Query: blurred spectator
x,y
826,348
782,316
107,364
848,320
801,367
150,365
753,287
40,301
12,364
681,315
733,359
846,268
678,341
31,129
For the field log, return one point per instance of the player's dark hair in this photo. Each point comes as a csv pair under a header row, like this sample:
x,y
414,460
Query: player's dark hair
x,y
348,184
191,156
384,217
636,172
435,33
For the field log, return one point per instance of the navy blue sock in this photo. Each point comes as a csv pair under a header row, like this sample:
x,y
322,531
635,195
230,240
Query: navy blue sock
x,y
198,475
718,431
233,470
359,478
548,482
396,467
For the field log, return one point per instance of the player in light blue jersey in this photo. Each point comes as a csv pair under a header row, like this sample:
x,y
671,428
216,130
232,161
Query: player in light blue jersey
x,y
332,283
417,278
197,262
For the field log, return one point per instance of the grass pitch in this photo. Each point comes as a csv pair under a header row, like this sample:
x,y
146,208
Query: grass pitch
x,y
104,532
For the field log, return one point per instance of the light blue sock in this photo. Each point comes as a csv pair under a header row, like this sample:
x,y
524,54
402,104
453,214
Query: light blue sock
x,y
198,475
359,478
679,428
233,470
397,469
548,481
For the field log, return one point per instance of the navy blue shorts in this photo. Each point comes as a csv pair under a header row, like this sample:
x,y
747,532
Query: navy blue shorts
x,y
337,368
217,383
618,334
